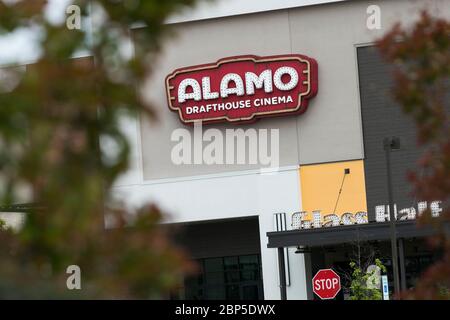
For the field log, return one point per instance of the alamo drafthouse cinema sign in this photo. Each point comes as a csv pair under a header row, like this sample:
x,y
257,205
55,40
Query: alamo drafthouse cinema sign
x,y
243,88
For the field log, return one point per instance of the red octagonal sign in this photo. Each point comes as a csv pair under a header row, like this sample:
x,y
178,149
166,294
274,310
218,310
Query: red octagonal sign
x,y
326,284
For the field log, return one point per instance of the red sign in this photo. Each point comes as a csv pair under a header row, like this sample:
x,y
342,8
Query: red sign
x,y
326,284
242,89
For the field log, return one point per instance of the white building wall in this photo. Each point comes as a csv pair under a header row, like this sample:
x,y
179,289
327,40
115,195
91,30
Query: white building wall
x,y
226,8
231,197
226,195
13,220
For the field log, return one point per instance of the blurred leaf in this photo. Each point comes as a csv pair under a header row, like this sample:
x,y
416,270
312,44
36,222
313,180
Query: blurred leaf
x,y
51,119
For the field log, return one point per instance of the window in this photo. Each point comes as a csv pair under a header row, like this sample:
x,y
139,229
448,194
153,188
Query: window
x,y
234,277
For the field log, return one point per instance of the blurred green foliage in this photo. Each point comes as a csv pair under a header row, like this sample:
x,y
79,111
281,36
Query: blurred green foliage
x,y
359,280
51,119
420,55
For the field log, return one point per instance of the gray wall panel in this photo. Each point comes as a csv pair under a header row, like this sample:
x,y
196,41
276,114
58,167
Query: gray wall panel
x,y
206,42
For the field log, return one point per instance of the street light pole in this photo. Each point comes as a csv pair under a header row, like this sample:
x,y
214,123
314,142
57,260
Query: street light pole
x,y
389,145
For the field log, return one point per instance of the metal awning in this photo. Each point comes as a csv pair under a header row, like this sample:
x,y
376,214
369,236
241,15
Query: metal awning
x,y
347,234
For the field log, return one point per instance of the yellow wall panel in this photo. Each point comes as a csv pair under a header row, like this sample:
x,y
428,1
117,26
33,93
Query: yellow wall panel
x,y
320,184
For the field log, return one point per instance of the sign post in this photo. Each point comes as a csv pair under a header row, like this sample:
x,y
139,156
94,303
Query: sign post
x,y
326,284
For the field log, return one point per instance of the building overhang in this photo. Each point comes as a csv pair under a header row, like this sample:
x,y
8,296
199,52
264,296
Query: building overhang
x,y
348,234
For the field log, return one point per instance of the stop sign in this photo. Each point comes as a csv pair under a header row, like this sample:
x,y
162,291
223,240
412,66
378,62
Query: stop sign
x,y
326,284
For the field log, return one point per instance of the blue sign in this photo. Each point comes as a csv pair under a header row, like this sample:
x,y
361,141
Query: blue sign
x,y
385,287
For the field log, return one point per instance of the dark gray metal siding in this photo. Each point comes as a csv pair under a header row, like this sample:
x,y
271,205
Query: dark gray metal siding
x,y
382,117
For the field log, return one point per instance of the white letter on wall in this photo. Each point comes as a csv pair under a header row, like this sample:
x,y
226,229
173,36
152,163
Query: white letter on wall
x,y
225,90
252,81
196,94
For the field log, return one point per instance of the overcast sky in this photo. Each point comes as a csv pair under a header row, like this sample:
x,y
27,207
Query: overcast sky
x,y
21,48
